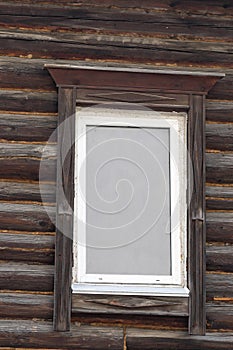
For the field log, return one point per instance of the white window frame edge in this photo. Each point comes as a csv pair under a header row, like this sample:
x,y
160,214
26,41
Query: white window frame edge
x,y
176,284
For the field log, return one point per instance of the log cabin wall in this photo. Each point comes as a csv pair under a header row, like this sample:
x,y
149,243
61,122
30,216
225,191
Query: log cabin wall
x,y
182,34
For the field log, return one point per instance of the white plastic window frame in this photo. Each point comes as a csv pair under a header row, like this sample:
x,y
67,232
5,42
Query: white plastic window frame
x,y
176,283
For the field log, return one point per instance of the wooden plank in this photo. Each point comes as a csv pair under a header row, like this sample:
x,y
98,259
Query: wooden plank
x,y
129,305
218,111
223,89
36,128
219,137
25,191
219,316
28,101
64,213
29,217
163,340
219,258
219,168
219,285
17,305
196,216
41,335
219,227
29,277
27,247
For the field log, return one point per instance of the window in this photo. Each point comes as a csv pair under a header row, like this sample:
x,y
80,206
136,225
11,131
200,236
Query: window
x,y
129,210
163,91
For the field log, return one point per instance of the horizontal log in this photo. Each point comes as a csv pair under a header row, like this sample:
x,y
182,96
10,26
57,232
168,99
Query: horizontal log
x,y
28,277
27,101
153,321
22,217
219,258
123,305
219,168
27,247
28,169
163,340
41,335
105,20
219,111
219,316
36,128
24,191
219,285
17,305
190,7
219,137
219,227
219,197
61,45
223,89
44,151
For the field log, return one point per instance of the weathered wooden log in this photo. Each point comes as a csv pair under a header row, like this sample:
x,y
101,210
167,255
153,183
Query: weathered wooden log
x,y
25,168
219,258
219,316
162,340
45,151
29,277
36,128
219,137
219,111
219,197
24,217
219,285
19,305
141,49
28,101
24,191
219,227
41,334
219,168
27,248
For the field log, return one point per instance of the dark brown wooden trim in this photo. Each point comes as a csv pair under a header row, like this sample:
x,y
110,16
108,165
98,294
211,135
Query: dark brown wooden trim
x,y
133,80
196,216
64,219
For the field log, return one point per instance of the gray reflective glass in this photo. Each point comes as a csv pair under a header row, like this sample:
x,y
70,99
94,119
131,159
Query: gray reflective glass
x,y
128,201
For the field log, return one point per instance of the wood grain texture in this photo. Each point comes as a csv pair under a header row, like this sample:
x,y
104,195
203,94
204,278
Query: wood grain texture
x,y
41,335
218,111
24,127
219,226
196,216
27,248
28,277
219,168
219,258
219,316
64,212
15,305
219,137
175,340
23,217
219,197
219,285
25,191
129,305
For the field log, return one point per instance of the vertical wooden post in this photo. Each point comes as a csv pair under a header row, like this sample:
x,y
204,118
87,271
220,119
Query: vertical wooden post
x,y
196,216
64,213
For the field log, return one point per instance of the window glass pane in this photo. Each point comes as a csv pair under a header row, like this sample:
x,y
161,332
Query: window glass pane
x,y
128,201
